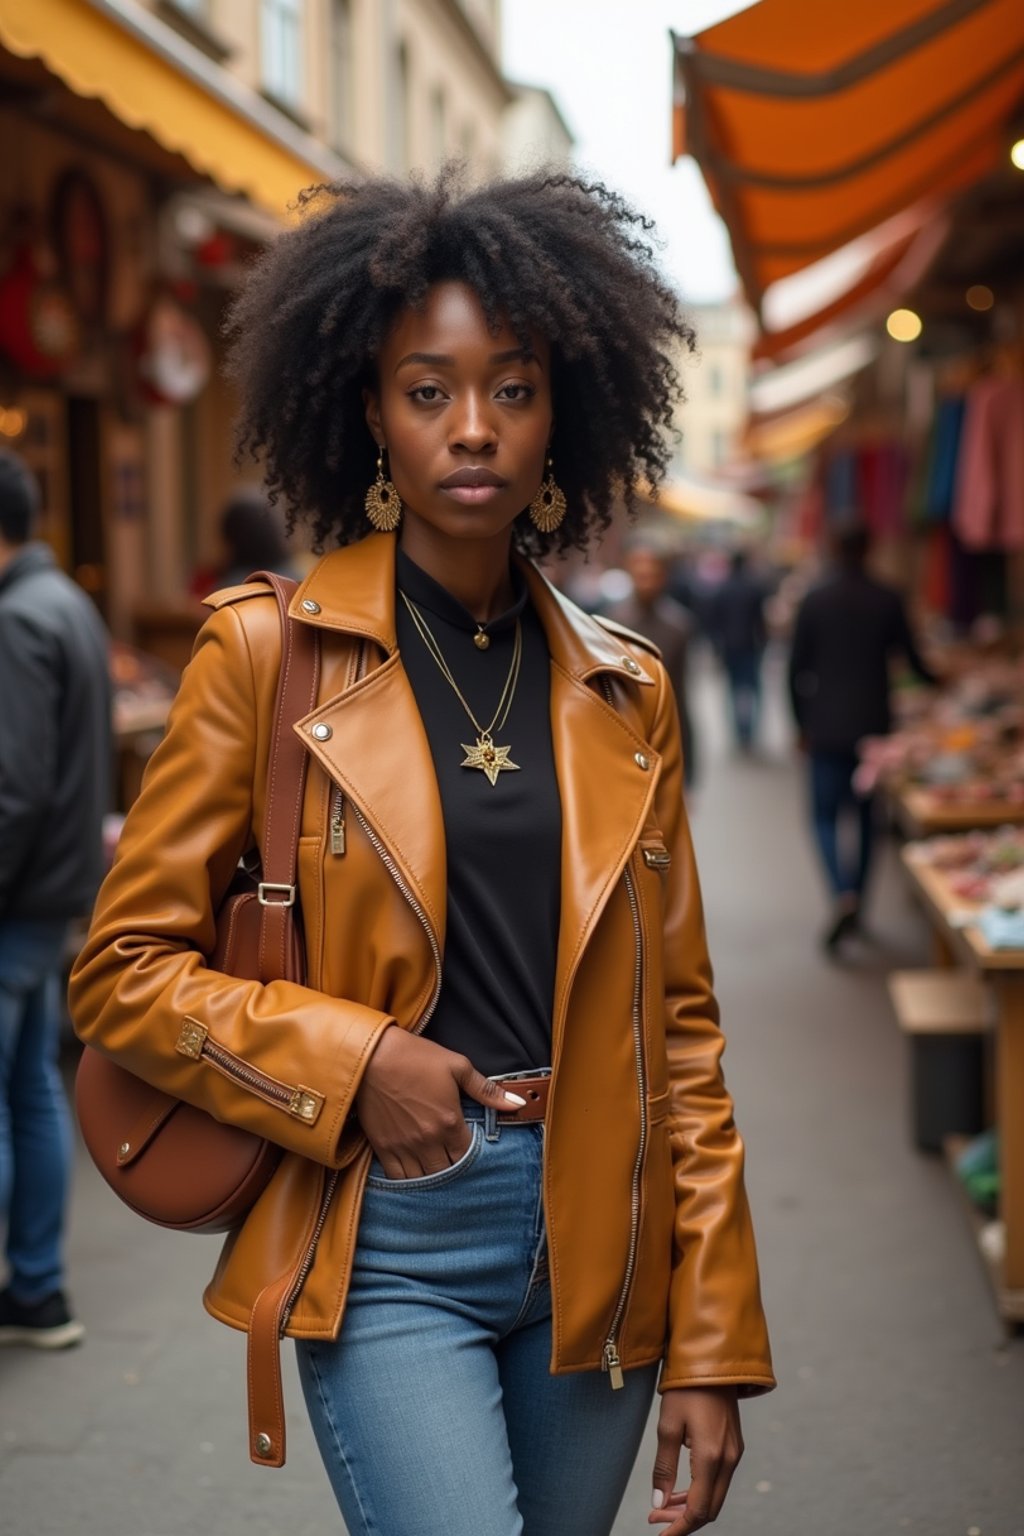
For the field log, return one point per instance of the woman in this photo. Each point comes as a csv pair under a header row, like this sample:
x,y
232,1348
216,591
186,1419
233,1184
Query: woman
x,y
514,1192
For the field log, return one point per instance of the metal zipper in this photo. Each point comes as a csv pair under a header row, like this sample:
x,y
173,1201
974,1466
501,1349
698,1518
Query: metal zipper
x,y
610,1361
417,1029
337,823
195,1043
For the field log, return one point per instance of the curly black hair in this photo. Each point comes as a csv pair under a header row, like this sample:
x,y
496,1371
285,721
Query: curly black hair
x,y
546,252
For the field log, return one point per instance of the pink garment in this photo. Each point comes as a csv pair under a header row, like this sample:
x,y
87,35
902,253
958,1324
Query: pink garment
x,y
988,503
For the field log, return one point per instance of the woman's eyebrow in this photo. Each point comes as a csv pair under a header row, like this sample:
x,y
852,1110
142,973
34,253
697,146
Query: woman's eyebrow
x,y
445,360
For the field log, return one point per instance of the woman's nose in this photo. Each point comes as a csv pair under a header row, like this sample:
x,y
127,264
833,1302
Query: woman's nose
x,y
472,427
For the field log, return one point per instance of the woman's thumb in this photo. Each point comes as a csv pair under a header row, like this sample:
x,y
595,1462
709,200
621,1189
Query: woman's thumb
x,y
484,1090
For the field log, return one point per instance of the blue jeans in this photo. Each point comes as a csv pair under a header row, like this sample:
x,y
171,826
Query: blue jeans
x,y
35,1131
832,794
434,1411
743,669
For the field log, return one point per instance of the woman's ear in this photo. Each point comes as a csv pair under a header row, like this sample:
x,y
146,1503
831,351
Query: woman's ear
x,y
371,407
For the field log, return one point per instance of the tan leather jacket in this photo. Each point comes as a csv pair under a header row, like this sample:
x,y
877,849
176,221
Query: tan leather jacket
x,y
651,1248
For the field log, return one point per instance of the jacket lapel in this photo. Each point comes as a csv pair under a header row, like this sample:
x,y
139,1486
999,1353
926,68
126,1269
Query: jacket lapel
x,y
370,738
606,791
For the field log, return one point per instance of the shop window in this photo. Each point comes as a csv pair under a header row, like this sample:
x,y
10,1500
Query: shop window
x,y
342,74
281,40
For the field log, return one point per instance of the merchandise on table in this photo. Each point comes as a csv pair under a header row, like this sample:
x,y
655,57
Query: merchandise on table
x,y
982,867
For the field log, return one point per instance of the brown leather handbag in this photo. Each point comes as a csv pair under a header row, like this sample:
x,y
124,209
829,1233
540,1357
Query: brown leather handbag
x,y
170,1162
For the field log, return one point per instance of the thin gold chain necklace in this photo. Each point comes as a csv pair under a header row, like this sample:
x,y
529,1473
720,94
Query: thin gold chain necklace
x,y
483,754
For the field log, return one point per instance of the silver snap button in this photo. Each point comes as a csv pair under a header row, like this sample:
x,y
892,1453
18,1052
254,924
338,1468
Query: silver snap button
x,y
642,761
308,605
264,1445
322,732
630,665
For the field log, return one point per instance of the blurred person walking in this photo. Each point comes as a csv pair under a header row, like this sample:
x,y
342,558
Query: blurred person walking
x,y
736,625
660,618
253,538
55,781
848,631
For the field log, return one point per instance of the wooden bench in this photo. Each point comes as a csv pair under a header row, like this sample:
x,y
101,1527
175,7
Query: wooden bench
x,y
945,1014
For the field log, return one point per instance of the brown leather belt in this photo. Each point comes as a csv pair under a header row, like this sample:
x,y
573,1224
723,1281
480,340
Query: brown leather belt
x,y
534,1090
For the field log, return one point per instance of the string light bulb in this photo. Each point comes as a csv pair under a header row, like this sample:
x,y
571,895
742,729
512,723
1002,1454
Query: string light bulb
x,y
980,297
1017,154
904,325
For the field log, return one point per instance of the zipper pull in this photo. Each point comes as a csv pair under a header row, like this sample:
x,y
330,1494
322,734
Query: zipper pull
x,y
613,1365
338,825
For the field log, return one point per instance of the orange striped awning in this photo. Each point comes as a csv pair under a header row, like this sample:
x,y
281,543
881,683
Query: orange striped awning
x,y
813,124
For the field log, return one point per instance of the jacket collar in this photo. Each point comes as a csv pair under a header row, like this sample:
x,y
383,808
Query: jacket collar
x,y
36,556
353,590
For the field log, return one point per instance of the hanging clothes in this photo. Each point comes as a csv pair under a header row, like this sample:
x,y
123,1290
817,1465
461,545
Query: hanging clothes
x,y
945,453
988,509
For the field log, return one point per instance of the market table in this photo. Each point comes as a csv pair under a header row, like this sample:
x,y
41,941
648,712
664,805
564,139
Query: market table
x,y
1004,970
919,814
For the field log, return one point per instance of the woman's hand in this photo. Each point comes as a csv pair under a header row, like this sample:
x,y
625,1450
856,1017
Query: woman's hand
x,y
707,1421
408,1103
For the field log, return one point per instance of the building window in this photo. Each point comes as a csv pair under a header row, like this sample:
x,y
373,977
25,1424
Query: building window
x,y
716,380
439,124
719,447
281,38
341,74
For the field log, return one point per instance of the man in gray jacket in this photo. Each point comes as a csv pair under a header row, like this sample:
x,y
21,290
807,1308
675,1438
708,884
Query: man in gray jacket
x,y
55,775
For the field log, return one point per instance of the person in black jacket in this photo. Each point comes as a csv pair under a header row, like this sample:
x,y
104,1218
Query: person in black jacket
x,y
848,629
55,774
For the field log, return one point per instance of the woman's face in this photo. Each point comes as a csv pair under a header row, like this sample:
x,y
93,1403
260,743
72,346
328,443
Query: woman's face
x,y
465,415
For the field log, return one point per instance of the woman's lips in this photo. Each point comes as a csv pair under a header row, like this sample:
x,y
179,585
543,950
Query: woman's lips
x,y
472,495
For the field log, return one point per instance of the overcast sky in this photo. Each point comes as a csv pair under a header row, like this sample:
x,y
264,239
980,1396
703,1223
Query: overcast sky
x,y
608,63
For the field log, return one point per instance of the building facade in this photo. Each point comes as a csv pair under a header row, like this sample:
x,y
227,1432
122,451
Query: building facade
x,y
716,380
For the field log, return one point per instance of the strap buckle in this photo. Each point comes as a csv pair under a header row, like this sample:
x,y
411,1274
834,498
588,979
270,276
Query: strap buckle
x,y
265,886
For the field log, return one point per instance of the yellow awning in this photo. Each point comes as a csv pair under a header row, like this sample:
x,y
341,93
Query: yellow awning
x,y
144,74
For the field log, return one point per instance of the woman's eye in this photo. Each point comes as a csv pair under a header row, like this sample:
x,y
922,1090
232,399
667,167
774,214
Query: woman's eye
x,y
515,391
429,393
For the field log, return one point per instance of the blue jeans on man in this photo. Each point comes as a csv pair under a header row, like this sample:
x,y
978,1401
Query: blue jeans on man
x,y
35,1127
837,809
743,671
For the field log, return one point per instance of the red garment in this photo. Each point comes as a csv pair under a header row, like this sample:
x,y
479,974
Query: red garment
x,y
988,507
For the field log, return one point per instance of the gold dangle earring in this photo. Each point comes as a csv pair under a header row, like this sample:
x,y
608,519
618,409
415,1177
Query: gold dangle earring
x,y
383,503
547,508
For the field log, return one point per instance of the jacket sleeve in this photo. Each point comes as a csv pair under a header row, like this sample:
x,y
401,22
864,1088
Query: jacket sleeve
x,y
28,745
717,1330
280,1059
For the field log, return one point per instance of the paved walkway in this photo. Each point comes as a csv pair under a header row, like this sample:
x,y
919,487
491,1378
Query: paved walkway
x,y
901,1407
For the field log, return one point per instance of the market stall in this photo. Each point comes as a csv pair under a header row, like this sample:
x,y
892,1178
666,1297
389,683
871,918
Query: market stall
x,y
972,889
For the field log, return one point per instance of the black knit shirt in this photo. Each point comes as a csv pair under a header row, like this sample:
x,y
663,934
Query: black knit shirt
x,y
503,840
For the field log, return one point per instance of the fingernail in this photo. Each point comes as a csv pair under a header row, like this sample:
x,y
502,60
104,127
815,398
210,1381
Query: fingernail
x,y
657,1499
513,1098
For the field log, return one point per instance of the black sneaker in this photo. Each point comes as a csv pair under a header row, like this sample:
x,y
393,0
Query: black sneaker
x,y
46,1324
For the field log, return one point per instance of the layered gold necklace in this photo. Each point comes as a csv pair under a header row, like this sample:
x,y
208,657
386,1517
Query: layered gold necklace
x,y
483,753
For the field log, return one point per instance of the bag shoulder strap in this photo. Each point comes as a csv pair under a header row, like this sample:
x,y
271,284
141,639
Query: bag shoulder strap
x,y
297,688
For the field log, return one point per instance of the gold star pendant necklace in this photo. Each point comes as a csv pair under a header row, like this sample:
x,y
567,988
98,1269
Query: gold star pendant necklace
x,y
483,754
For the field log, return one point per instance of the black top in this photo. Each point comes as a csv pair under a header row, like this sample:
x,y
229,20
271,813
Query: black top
x,y
55,740
504,841
847,631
